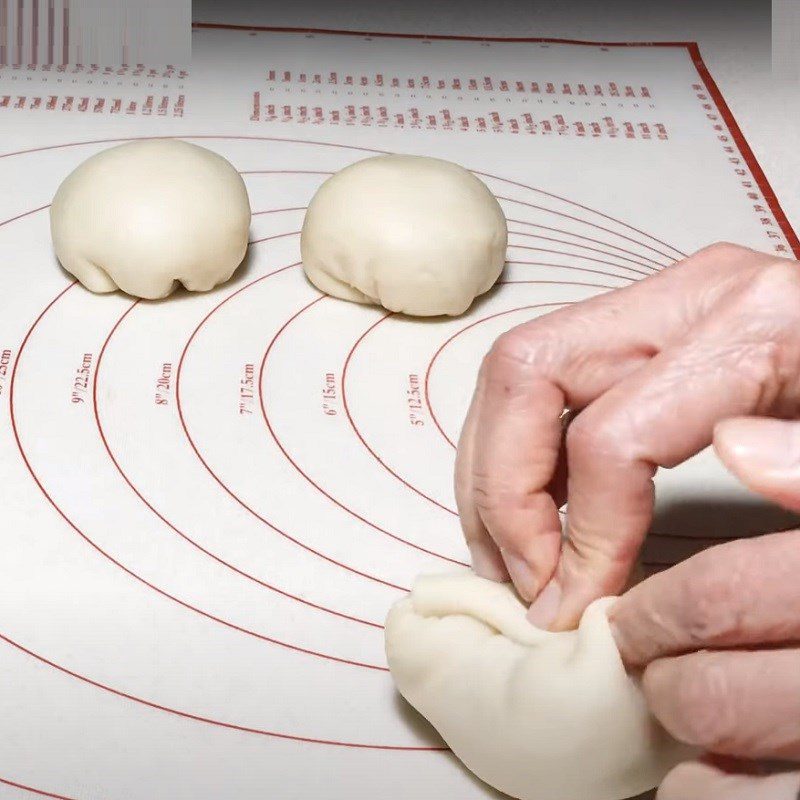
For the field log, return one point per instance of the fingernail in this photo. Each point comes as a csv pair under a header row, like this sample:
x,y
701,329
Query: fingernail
x,y
521,575
766,444
544,609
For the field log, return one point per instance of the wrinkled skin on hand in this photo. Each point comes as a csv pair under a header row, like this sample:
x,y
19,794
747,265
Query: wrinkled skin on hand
x,y
707,351
652,369
716,638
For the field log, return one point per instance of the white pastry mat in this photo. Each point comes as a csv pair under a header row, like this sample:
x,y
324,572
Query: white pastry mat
x,y
209,503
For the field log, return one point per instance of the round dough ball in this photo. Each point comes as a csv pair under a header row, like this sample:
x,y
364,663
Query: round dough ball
x,y
147,215
416,235
538,715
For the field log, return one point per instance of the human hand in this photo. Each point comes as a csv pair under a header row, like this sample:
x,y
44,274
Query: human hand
x,y
718,639
652,368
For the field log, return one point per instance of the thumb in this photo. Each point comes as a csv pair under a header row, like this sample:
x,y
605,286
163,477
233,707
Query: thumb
x,y
764,454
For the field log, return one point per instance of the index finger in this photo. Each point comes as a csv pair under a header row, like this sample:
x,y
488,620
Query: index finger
x,y
509,451
569,358
735,594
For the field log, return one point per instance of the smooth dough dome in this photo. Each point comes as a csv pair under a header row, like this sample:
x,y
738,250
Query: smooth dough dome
x,y
147,215
416,235
538,715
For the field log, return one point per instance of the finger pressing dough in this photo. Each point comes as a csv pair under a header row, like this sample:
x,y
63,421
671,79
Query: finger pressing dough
x,y
147,215
538,715
416,235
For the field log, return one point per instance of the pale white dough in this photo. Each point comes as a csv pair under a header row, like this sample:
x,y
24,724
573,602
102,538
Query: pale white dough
x,y
147,215
538,715
417,235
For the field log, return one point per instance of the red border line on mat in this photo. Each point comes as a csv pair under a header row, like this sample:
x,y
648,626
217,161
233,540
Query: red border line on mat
x,y
433,36
31,790
692,48
744,148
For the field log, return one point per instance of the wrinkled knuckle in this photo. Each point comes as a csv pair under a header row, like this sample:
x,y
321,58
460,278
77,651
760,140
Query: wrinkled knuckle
x,y
724,258
716,598
708,704
762,364
606,560
496,500
532,347
722,250
777,282
494,495
511,349
587,440
781,272
489,496
767,322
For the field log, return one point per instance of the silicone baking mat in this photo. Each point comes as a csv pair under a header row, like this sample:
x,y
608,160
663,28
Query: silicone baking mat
x,y
209,503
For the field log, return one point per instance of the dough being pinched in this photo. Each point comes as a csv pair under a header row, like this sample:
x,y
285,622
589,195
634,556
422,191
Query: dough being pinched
x,y
417,235
538,715
148,215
